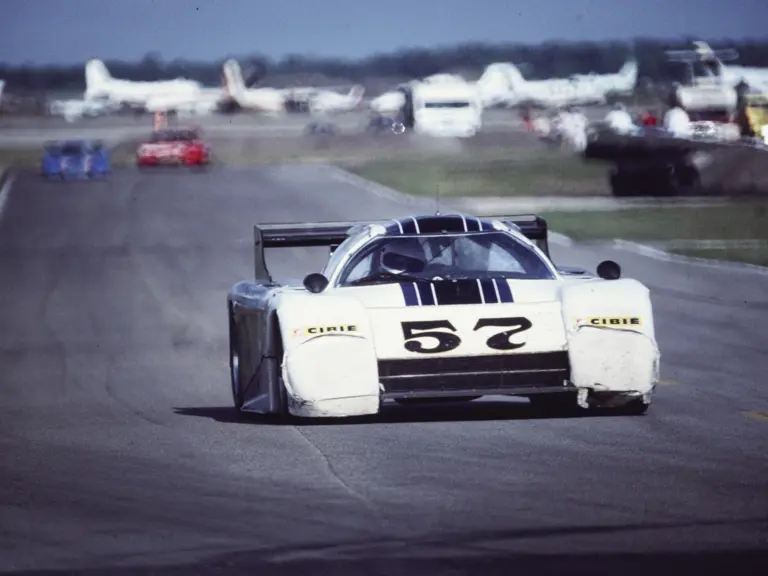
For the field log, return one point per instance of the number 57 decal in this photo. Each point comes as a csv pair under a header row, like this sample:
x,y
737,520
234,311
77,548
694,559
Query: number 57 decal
x,y
444,333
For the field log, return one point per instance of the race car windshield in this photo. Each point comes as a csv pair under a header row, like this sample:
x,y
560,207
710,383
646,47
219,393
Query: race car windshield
x,y
173,136
70,149
476,256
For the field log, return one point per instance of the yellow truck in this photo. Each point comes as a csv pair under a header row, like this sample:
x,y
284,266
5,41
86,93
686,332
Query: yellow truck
x,y
757,114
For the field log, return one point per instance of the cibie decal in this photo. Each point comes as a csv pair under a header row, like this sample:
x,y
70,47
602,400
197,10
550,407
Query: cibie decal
x,y
610,321
319,330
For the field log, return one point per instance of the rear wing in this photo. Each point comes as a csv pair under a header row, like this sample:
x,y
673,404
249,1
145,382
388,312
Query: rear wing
x,y
332,234
531,226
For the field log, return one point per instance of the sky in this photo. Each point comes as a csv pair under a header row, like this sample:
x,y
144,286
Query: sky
x,y
72,31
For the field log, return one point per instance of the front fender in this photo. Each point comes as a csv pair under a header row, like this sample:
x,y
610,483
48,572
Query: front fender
x,y
49,166
101,163
252,338
611,335
329,363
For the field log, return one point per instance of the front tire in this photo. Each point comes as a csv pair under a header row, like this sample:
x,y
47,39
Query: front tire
x,y
283,414
234,360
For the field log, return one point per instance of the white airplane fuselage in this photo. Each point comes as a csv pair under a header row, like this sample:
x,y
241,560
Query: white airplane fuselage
x,y
503,84
179,95
127,92
579,90
329,102
557,93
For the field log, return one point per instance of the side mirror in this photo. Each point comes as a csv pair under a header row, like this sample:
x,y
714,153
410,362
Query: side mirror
x,y
315,283
609,270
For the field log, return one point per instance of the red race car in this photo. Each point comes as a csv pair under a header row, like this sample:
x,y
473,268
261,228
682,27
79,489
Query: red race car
x,y
173,147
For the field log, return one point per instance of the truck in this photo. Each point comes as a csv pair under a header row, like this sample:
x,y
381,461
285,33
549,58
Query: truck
x,y
441,109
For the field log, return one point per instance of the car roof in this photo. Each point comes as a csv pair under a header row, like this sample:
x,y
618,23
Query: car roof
x,y
73,143
174,131
440,224
62,143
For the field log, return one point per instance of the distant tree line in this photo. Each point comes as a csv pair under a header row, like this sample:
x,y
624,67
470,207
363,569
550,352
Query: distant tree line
x,y
550,59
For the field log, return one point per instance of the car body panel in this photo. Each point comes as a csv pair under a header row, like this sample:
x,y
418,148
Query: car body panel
x,y
75,159
173,147
343,350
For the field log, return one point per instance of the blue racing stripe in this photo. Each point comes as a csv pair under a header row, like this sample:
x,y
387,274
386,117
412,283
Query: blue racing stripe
x,y
425,292
489,292
409,225
505,293
409,294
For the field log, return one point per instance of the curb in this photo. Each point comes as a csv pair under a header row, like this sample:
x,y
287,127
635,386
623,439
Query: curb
x,y
664,256
561,239
6,180
498,204
658,254
384,191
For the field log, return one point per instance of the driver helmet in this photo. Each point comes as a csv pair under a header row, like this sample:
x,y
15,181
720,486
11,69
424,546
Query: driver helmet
x,y
407,247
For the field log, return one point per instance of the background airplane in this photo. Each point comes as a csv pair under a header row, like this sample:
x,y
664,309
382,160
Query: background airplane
x,y
502,84
710,90
620,84
72,110
493,88
579,90
273,100
707,67
328,102
179,95
99,84
267,100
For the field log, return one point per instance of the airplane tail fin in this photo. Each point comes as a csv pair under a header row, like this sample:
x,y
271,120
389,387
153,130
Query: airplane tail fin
x,y
703,49
356,94
96,76
233,79
629,70
501,82
628,76
702,52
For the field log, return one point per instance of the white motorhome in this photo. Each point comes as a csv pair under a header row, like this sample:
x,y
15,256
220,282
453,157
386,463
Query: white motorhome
x,y
448,110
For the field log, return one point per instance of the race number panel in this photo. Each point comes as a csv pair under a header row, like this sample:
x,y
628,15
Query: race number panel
x,y
441,334
515,328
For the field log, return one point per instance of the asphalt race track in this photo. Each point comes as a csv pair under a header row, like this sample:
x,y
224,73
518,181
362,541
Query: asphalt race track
x,y
33,131
119,447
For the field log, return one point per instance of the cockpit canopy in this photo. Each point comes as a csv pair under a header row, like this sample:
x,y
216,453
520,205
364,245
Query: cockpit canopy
x,y
72,147
468,255
174,136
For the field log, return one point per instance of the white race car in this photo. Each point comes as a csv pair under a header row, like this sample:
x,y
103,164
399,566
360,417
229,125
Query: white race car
x,y
438,307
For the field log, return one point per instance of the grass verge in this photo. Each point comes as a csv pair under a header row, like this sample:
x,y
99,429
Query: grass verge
x,y
544,173
758,256
735,221
484,170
